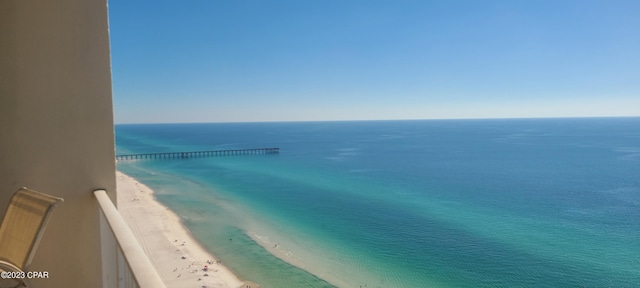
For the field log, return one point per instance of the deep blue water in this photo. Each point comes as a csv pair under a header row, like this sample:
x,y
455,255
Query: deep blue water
x,y
433,203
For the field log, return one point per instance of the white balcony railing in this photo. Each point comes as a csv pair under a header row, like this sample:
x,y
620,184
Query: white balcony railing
x,y
134,268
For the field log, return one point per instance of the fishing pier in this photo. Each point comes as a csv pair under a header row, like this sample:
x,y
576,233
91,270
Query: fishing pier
x,y
198,154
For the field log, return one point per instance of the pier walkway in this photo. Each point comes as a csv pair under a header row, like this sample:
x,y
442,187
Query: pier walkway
x,y
198,154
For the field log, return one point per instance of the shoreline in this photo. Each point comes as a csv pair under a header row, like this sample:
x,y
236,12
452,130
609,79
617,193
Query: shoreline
x,y
181,261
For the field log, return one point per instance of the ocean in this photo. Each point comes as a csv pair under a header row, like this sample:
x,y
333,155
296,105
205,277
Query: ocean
x,y
424,203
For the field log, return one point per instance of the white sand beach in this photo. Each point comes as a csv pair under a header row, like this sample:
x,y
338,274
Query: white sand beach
x,y
179,259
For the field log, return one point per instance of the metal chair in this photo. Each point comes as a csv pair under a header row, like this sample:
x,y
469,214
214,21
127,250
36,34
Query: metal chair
x,y
22,227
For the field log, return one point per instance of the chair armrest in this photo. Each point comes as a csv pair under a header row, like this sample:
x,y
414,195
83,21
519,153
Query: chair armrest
x,y
8,267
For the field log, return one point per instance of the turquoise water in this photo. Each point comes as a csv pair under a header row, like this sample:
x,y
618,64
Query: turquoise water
x,y
438,203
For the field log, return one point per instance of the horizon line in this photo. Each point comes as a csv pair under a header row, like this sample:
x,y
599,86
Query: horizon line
x,y
379,120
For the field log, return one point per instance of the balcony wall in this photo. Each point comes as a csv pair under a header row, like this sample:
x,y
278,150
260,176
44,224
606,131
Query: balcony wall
x,y
56,130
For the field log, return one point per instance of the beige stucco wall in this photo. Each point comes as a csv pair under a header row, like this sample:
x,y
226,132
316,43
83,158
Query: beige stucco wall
x,y
56,128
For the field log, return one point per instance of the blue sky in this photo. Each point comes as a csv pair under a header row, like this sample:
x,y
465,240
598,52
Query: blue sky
x,y
307,60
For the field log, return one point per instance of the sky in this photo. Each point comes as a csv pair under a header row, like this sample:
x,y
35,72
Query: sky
x,y
318,60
